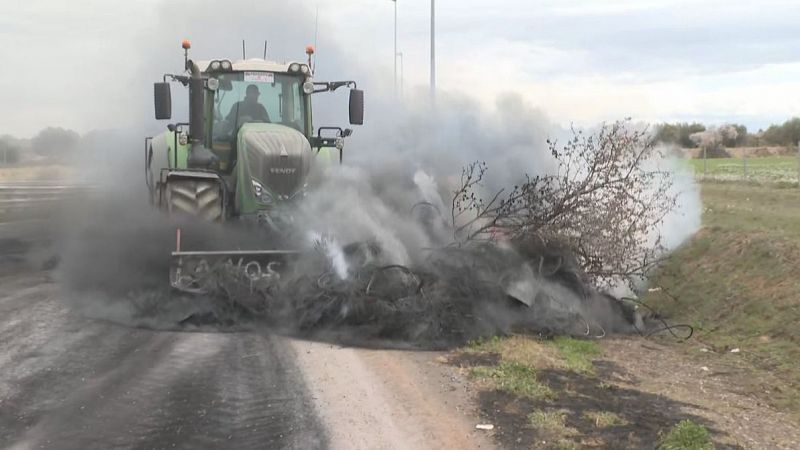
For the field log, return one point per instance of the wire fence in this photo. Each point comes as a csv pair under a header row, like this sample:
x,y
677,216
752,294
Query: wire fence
x,y
763,170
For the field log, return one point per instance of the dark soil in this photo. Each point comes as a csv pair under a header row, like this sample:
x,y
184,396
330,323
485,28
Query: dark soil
x,y
646,415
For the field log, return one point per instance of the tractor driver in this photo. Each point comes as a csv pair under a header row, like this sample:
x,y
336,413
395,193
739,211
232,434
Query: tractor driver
x,y
249,107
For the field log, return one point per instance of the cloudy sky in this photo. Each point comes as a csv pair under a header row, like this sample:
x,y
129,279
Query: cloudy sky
x,y
88,64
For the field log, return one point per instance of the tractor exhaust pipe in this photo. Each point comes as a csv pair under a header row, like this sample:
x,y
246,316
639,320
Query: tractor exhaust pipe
x,y
196,105
199,156
196,95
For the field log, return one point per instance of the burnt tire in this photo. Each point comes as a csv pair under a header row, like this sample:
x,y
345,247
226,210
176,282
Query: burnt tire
x,y
198,198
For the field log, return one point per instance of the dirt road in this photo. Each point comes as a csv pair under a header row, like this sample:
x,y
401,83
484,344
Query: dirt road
x,y
71,382
381,399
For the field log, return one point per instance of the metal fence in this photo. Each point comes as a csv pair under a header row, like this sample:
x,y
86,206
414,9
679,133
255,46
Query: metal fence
x,y
772,169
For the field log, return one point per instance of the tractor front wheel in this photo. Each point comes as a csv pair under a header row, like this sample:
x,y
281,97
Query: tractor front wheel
x,y
195,197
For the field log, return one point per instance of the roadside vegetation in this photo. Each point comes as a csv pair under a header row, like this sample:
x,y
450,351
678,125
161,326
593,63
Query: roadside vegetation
x,y
555,394
681,133
687,435
777,171
737,282
513,377
577,354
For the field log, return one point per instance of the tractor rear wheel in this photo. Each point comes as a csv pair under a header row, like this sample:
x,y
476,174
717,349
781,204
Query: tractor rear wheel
x,y
199,198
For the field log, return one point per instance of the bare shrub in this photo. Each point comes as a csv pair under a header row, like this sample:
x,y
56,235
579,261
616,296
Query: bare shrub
x,y
604,203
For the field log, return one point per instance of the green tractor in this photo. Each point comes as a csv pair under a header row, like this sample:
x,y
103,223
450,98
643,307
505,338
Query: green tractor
x,y
244,155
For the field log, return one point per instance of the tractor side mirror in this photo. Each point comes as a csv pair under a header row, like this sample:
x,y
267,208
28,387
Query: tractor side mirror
x,y
356,107
162,100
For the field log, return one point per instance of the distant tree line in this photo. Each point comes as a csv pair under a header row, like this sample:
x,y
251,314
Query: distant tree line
x,y
787,134
733,135
53,143
9,150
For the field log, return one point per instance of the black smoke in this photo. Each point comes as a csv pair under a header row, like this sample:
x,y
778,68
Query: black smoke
x,y
374,266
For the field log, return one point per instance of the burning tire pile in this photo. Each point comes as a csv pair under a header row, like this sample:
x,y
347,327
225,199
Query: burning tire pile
x,y
453,295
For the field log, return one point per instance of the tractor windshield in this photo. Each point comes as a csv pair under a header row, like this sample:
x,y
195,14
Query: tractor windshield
x,y
245,97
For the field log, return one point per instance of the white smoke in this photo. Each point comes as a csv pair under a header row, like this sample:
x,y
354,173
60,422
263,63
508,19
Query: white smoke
x,y
685,219
330,246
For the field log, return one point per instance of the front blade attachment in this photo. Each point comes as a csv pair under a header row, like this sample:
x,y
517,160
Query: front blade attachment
x,y
203,272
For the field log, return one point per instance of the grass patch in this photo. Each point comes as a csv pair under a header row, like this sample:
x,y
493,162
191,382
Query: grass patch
x,y
520,349
552,420
565,444
738,279
747,208
491,344
560,352
767,169
553,425
605,419
577,353
515,378
687,435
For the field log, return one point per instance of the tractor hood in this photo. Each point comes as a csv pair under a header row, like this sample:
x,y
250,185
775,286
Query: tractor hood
x,y
275,155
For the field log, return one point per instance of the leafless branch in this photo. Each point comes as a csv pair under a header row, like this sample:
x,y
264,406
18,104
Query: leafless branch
x,y
603,202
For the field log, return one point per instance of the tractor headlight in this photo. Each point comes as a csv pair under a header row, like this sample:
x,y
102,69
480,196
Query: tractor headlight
x,y
261,194
215,65
294,67
308,87
226,65
183,139
304,68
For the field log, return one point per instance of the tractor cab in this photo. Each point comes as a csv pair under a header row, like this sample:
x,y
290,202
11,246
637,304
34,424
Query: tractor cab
x,y
253,91
250,126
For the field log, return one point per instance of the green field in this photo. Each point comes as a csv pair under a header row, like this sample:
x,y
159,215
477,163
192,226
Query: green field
x,y
738,281
769,169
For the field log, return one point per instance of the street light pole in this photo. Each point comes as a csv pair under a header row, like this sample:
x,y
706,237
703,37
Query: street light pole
x,y
433,52
400,54
395,47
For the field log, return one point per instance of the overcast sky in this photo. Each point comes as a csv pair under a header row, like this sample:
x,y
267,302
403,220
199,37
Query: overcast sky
x,y
88,64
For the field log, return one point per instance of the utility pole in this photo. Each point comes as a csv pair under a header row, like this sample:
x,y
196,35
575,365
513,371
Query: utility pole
x,y
433,52
395,47
400,54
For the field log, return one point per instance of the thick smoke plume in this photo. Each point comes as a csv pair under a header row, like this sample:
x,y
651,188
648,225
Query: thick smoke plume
x,y
381,259
378,255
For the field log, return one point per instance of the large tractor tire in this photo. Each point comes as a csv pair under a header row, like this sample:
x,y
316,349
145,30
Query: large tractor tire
x,y
199,198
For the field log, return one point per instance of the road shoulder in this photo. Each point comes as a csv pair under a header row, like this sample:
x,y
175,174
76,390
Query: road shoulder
x,y
389,399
